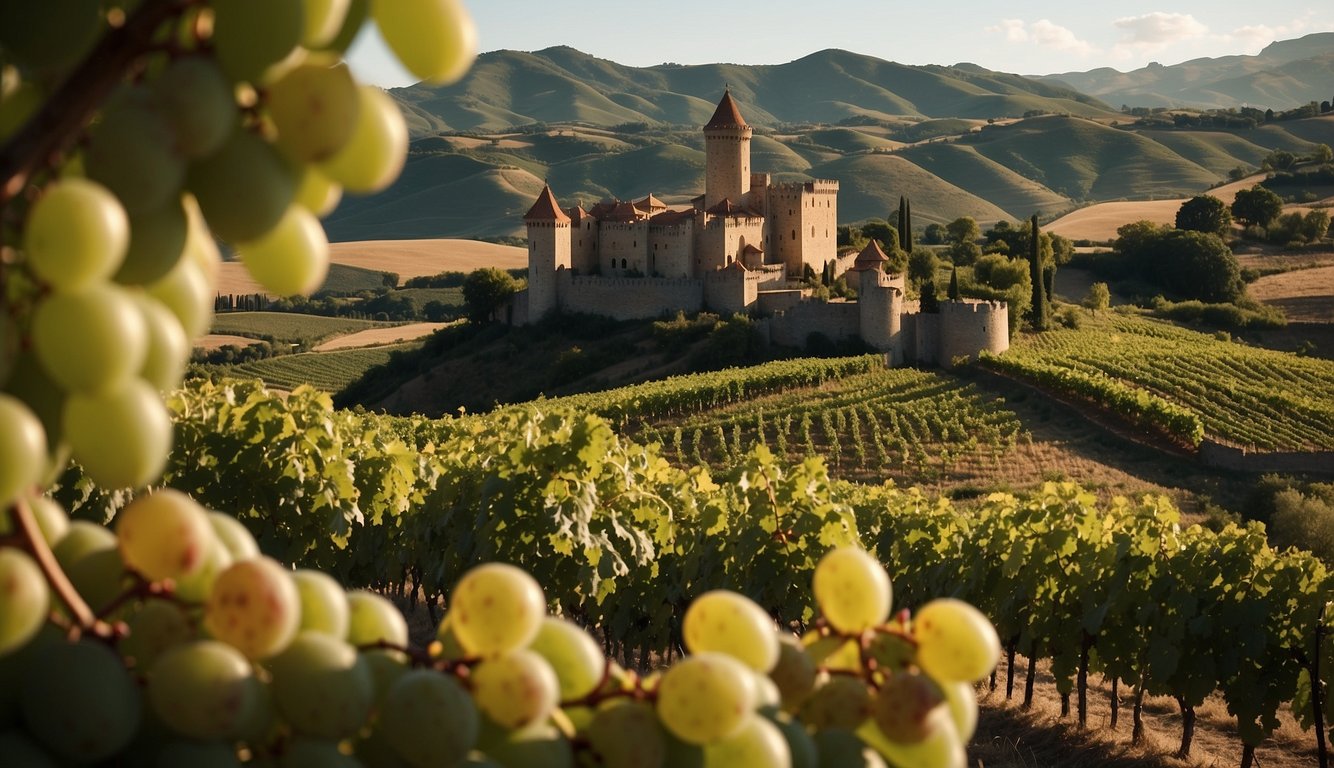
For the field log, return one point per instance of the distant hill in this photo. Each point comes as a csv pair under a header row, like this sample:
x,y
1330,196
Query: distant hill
x,y
954,139
1285,74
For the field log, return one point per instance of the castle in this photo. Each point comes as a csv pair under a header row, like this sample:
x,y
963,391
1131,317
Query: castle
x,y
742,247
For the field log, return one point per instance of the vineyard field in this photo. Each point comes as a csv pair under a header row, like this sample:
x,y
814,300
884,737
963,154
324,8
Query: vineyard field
x,y
330,371
1256,398
289,328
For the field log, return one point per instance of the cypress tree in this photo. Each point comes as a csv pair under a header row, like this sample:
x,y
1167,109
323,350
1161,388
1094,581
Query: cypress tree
x,y
1039,311
954,284
905,234
902,215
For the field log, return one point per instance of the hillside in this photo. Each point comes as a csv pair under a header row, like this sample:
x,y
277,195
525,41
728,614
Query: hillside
x,y
1285,74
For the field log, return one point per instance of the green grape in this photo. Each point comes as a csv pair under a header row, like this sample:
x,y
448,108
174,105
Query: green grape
x,y
450,648
324,605
168,348
323,19
373,619
99,577
11,343
244,188
21,752
164,535
79,702
386,668
962,701
429,720
22,449
52,34
706,697
198,103
892,651
795,672
955,642
123,438
254,607
202,689
496,608
260,725
293,258
434,39
800,746
322,687
24,599
251,37
157,240
627,734
198,755
132,152
909,707
312,753
18,102
838,702
515,689
76,234
188,292
29,382
374,752
200,247
841,748
733,624
573,654
155,626
357,13
374,153
314,107
541,746
758,744
81,540
90,341
852,589
767,695
195,587
318,193
14,665
941,749
50,517
235,536
833,652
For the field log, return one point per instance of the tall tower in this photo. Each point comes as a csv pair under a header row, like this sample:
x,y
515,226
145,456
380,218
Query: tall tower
x,y
548,251
727,155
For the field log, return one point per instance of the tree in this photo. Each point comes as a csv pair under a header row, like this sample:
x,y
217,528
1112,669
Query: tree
x,y
882,232
1279,159
1257,205
964,253
1322,153
485,290
935,234
922,266
1038,313
906,230
1098,298
963,230
930,301
1315,225
1195,265
953,292
1205,213
902,221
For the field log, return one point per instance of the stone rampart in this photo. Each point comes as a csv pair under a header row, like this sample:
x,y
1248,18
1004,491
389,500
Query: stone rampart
x,y
836,320
629,298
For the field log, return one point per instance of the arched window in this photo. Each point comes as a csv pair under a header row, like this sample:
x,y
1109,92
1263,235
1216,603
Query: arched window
x,y
622,263
812,230
794,234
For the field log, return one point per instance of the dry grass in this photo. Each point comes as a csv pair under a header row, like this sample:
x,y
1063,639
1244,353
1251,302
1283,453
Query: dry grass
x,y
1099,222
219,340
378,336
1305,295
418,258
233,278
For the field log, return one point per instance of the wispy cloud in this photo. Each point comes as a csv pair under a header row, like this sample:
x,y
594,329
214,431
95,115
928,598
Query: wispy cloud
x,y
1042,32
1157,30
1250,39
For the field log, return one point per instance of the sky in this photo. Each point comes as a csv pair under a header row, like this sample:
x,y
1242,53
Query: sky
x,y
1030,37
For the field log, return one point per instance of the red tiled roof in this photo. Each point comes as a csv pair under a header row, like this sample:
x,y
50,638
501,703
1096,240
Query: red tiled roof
x,y
669,218
737,265
727,208
577,213
727,115
545,209
650,203
871,257
624,212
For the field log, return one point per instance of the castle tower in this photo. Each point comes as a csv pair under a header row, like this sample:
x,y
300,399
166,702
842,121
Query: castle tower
x,y
879,303
727,155
548,251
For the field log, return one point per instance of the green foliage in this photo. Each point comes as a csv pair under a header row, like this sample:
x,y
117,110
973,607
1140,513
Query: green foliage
x,y
922,266
963,230
485,290
1205,213
288,328
1098,298
1039,310
1322,154
1256,205
1189,264
1221,315
329,371
934,234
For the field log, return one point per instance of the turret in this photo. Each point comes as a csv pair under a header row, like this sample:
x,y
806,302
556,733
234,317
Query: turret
x,y
727,155
879,303
548,251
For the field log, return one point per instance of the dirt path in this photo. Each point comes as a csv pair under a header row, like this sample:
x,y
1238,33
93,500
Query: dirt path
x,y
373,337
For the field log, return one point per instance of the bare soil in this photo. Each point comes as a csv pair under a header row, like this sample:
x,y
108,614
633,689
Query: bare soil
x,y
219,340
375,337
419,258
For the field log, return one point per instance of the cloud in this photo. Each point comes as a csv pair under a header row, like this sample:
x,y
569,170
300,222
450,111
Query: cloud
x,y
1256,36
1153,31
1044,33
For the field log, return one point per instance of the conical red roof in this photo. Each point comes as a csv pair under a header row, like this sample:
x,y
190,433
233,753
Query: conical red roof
x,y
871,257
546,208
727,115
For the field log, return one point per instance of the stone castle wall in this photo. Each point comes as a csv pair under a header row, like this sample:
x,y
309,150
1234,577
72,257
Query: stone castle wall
x,y
670,250
836,320
548,251
584,246
624,246
726,164
968,327
628,298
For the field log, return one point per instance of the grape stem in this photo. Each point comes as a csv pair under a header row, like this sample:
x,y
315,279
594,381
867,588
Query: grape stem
x,y
85,621
54,129
141,589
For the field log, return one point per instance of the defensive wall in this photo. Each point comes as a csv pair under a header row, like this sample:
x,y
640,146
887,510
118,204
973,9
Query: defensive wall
x,y
836,320
628,298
